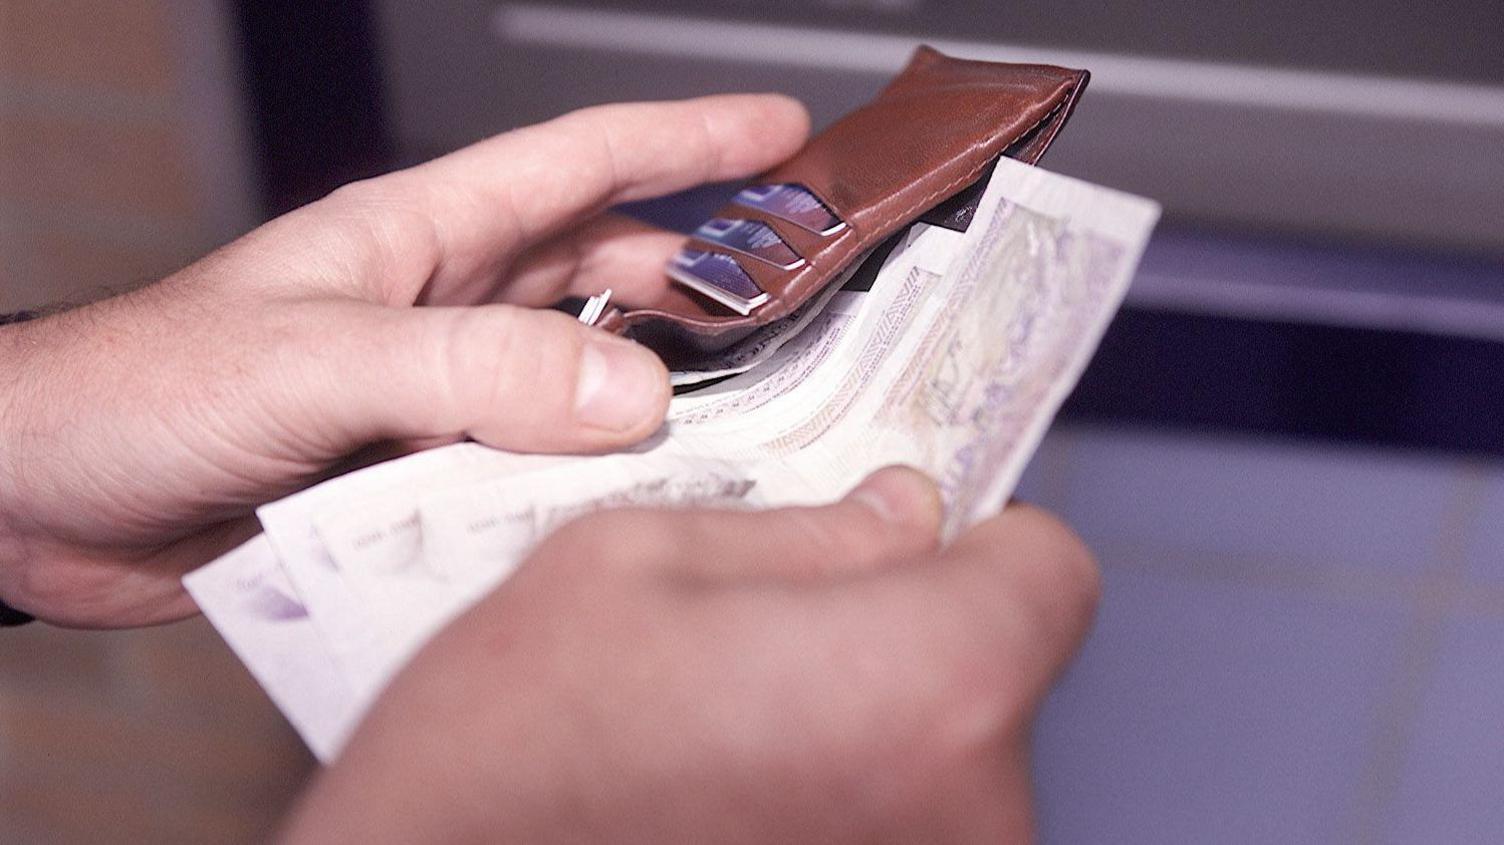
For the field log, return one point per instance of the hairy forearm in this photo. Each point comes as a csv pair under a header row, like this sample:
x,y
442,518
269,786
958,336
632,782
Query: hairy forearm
x,y
29,362
13,348
12,366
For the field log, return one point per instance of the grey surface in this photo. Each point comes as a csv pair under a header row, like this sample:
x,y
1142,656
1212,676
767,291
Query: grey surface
x,y
1381,177
1458,41
1297,643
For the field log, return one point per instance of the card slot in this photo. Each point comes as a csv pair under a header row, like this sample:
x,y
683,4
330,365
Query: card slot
x,y
752,238
719,276
794,203
803,242
772,279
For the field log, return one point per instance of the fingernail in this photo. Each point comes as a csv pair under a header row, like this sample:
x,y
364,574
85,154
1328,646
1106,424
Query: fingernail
x,y
900,494
621,385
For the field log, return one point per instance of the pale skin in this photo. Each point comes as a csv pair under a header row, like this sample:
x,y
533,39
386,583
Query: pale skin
x,y
827,673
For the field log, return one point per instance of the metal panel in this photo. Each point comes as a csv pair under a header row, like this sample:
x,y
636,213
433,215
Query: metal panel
x,y
1393,160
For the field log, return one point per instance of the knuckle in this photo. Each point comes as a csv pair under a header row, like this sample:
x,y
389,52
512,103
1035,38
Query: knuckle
x,y
586,134
591,117
833,540
1054,550
396,188
357,193
600,117
964,696
933,689
866,535
515,364
856,530
1079,577
819,529
388,225
354,201
712,147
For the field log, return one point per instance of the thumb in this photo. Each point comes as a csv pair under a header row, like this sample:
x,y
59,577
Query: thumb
x,y
514,378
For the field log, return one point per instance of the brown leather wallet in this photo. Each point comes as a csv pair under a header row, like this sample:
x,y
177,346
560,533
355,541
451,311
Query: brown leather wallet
x,y
935,130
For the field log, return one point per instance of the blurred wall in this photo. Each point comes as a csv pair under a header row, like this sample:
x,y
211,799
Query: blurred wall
x,y
121,146
120,161
138,736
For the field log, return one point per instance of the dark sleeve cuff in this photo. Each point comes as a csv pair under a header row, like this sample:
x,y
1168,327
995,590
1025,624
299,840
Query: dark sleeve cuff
x,y
10,617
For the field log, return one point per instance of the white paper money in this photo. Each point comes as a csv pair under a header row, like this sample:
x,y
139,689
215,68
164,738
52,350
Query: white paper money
x,y
247,597
954,362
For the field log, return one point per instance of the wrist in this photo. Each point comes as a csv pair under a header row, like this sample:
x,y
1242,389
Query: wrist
x,y
12,354
20,351
12,548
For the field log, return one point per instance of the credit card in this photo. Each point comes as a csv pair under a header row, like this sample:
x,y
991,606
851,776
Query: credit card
x,y
793,203
750,237
718,277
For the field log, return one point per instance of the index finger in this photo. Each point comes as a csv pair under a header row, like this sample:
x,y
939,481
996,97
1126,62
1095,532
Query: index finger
x,y
488,200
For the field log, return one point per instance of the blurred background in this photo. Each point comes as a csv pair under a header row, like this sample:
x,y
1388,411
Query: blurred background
x,y
1286,454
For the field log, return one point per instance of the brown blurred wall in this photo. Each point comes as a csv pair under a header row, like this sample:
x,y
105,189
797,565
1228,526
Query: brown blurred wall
x,y
121,158
121,144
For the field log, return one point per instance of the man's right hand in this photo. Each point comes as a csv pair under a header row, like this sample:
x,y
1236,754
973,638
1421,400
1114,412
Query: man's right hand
x,y
800,674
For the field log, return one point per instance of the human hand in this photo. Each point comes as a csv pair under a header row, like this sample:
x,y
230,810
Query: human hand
x,y
137,433
808,674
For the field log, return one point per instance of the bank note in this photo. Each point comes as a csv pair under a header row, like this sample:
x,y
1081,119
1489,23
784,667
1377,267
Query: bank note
x,y
248,598
382,493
